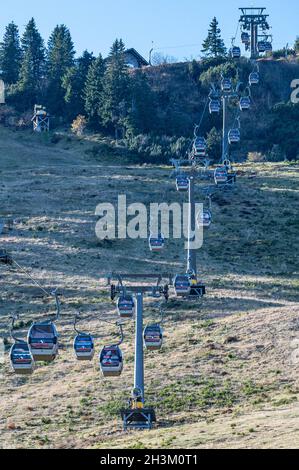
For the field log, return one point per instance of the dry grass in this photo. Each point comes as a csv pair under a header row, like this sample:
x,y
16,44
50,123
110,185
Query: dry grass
x,y
225,377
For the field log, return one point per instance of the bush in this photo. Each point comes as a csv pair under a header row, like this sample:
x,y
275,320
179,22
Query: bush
x,y
256,157
157,149
276,154
8,116
214,145
281,53
24,120
213,74
79,125
194,70
284,129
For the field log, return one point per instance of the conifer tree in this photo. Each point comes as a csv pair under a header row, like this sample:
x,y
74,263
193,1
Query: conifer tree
x,y
73,82
93,91
33,45
116,90
31,78
59,59
26,92
10,55
213,46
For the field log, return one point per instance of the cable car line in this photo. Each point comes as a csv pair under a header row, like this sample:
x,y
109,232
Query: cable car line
x,y
31,278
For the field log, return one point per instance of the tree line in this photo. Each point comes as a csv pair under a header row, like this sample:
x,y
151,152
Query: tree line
x,y
112,99
104,90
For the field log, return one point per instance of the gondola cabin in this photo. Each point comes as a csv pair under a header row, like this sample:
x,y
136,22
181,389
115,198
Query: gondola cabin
x,y
84,347
214,106
236,52
153,337
156,244
226,85
245,38
43,341
204,219
182,183
220,175
234,136
261,46
199,147
254,78
245,103
182,285
111,361
126,306
21,359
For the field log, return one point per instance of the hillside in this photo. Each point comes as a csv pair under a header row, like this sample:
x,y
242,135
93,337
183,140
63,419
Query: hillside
x,y
181,92
227,375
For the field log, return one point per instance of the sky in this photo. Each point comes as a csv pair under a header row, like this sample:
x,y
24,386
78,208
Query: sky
x,y
177,28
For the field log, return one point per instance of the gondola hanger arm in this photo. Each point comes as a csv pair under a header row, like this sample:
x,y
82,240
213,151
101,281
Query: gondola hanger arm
x,y
13,320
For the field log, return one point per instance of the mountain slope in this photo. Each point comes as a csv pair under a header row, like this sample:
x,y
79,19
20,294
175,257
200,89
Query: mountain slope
x,y
228,373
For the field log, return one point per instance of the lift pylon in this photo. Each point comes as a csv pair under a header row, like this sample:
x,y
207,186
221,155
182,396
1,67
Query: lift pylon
x,y
254,20
137,415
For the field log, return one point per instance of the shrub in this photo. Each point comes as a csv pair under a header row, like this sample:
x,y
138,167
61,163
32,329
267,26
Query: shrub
x,y
24,120
8,116
194,70
281,53
276,154
214,144
255,157
79,125
157,149
284,129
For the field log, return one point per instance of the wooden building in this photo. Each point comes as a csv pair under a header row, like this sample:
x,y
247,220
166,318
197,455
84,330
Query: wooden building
x,y
134,59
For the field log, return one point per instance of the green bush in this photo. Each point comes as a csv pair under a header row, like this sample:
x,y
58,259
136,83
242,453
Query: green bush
x,y
276,154
281,53
284,130
157,149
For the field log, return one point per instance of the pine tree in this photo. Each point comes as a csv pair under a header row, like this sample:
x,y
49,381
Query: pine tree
x,y
26,91
116,90
10,54
60,58
296,45
93,91
33,47
30,83
73,82
214,46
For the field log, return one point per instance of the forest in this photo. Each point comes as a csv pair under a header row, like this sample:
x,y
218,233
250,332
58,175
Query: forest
x,y
150,112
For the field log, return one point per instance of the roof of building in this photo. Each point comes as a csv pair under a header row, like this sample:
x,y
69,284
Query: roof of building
x,y
139,57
